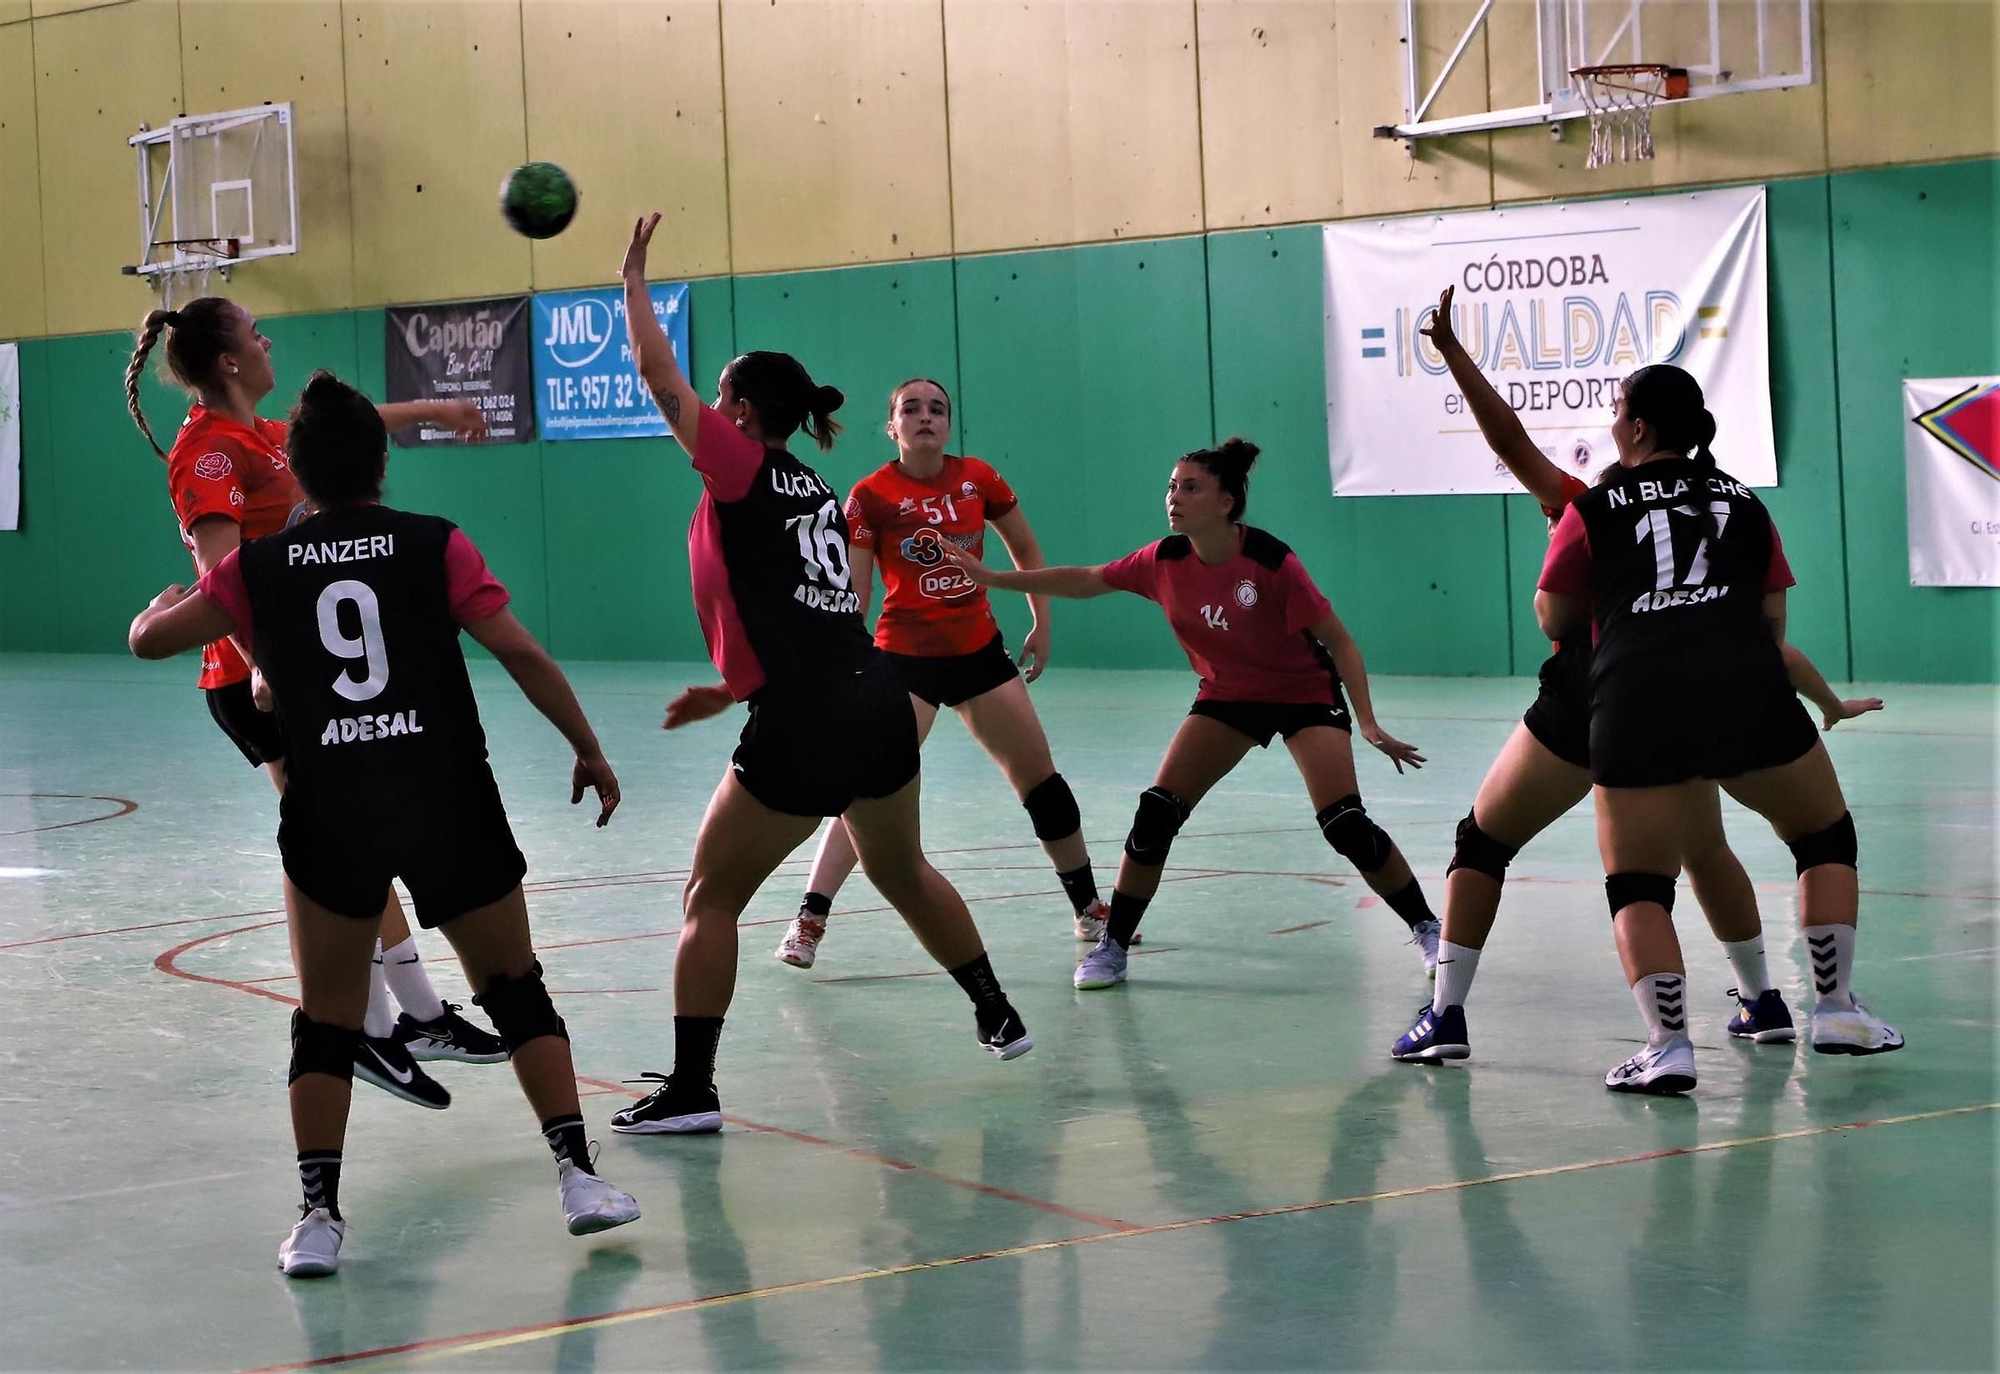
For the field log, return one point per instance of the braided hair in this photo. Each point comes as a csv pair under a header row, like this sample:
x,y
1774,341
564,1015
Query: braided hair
x,y
197,337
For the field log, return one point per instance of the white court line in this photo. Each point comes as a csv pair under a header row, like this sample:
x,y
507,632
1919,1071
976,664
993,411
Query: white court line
x,y
1947,954
120,1192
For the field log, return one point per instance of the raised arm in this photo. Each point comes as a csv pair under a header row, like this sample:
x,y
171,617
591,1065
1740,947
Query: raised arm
x,y
462,418
1354,677
1078,584
545,687
1502,428
652,354
1026,551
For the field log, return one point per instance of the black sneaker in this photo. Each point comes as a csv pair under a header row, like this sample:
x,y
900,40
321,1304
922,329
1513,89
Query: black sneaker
x,y
451,1036
1004,1034
670,1109
388,1065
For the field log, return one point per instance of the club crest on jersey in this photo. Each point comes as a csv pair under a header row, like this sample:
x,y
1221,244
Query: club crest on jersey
x,y
967,489
1246,593
213,466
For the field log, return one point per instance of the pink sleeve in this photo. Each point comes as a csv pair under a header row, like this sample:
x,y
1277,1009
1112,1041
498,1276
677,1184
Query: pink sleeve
x,y
1305,605
726,457
1779,575
1566,570
223,585
1135,572
471,587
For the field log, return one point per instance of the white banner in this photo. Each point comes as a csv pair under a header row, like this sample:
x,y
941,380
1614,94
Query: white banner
x,y
10,436
1556,303
1951,463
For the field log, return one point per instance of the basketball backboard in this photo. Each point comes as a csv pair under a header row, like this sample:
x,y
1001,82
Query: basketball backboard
x,y
1726,47
215,190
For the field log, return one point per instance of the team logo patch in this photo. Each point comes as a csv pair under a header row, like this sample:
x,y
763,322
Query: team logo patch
x,y
906,507
1246,593
214,466
968,489
1579,455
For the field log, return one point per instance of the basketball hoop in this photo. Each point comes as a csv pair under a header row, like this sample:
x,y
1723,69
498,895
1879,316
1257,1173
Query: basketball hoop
x,y
183,276
1620,99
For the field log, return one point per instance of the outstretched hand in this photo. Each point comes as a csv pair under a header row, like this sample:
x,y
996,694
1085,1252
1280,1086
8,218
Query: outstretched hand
x,y
635,251
1399,753
696,703
967,564
1848,710
1438,328
462,418
594,773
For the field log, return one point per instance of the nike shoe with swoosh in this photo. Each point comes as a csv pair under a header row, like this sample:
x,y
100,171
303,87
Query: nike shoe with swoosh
x,y
388,1065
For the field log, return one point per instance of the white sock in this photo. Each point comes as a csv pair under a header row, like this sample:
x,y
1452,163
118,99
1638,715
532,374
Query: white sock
x,y
1831,949
411,984
1662,999
1456,966
1753,974
381,1016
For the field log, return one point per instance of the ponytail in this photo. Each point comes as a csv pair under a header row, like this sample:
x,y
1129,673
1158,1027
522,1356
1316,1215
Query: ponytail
x,y
819,421
1704,435
149,334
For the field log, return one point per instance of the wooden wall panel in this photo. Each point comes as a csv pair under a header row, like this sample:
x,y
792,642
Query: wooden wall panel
x,y
1910,80
1377,175
1072,122
43,9
292,52
434,122
99,74
1270,111
628,99
836,127
15,12
22,305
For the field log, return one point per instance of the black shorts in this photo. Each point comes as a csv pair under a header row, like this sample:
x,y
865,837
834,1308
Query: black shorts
x,y
814,749
1560,717
255,732
451,846
1650,743
1260,720
954,679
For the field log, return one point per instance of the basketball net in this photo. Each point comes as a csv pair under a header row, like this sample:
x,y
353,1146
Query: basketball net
x,y
1620,100
187,279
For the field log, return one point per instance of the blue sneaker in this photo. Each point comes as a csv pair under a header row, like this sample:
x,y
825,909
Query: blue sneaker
x,y
1766,1019
1103,967
1437,1035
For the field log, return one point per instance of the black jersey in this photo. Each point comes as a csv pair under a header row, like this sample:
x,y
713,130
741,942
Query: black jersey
x,y
773,582
351,623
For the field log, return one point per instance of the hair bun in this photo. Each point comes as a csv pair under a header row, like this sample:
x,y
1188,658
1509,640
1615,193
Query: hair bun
x,y
1237,449
827,399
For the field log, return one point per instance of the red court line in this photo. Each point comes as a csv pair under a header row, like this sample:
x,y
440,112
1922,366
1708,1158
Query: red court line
x,y
125,808
150,925
473,1342
167,964
1110,1224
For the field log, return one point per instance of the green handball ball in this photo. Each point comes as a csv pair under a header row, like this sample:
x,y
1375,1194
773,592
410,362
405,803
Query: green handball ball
x,y
538,199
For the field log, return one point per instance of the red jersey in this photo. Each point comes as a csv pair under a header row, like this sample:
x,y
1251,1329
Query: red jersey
x,y
929,608
220,467
1244,624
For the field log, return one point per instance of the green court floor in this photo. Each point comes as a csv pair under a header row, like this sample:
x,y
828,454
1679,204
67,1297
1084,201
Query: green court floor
x,y
1214,1166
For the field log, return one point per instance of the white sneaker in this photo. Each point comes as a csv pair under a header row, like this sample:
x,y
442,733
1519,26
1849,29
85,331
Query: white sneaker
x,y
1090,922
1103,967
1660,1070
801,943
312,1250
1425,936
1852,1030
591,1204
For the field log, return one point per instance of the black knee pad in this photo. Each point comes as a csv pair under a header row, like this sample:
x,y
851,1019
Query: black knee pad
x,y
1480,852
1159,818
1837,844
520,1009
1051,808
321,1048
1623,889
1353,835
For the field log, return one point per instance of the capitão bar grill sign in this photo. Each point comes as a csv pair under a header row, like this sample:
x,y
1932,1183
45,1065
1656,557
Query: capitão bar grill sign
x,y
475,351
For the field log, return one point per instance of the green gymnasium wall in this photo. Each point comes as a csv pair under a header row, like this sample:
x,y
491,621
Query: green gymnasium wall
x,y
1081,372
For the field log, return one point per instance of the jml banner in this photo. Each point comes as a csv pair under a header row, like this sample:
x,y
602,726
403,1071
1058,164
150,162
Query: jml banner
x,y
473,351
586,386
1951,459
1555,303
10,436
